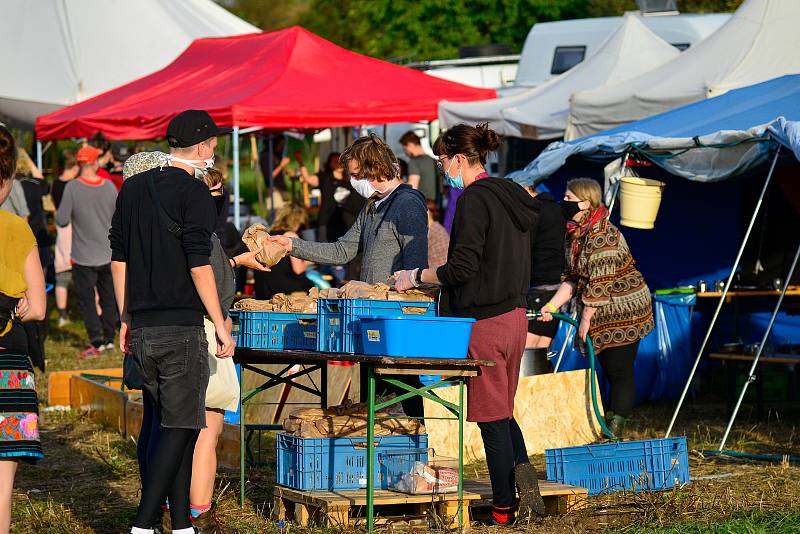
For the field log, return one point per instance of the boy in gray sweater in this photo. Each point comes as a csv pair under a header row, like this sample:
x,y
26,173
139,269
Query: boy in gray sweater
x,y
88,204
391,231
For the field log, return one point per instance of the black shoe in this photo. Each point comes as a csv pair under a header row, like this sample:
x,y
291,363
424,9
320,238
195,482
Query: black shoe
x,y
492,522
530,499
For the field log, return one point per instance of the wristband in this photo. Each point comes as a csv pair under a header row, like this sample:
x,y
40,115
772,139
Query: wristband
x,y
550,307
418,276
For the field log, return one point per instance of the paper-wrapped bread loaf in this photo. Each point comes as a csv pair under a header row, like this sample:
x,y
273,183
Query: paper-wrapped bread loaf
x,y
256,238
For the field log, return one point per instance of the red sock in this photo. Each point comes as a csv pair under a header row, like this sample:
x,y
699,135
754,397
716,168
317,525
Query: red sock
x,y
502,515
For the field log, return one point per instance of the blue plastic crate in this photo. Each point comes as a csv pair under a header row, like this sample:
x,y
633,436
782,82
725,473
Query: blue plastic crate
x,y
339,325
277,330
416,336
336,464
647,465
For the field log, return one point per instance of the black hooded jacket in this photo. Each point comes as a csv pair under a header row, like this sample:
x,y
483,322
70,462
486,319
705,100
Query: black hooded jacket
x,y
488,263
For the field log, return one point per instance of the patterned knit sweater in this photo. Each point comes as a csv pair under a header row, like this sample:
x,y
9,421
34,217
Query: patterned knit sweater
x,y
608,280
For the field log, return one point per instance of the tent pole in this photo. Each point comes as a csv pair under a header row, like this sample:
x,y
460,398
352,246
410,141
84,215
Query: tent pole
x,y
39,154
724,292
237,214
270,164
752,375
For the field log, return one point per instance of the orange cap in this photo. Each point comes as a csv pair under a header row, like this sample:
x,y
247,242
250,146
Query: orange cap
x,y
88,154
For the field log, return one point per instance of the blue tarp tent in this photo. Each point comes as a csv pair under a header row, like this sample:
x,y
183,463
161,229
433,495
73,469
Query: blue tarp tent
x,y
721,146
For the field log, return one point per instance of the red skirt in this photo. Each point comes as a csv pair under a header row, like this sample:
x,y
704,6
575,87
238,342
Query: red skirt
x,y
490,395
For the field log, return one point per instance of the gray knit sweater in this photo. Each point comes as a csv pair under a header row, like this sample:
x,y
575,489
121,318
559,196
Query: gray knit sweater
x,y
391,237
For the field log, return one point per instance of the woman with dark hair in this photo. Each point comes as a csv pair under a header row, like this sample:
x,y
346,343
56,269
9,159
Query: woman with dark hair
x,y
340,204
486,277
611,296
22,299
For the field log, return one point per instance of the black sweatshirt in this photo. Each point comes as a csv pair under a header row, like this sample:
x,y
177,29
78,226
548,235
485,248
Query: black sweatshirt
x,y
160,287
548,260
488,263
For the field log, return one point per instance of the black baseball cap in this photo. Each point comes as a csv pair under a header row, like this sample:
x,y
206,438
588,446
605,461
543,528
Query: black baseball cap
x,y
191,127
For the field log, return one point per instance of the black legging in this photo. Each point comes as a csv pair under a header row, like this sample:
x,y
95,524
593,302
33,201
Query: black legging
x,y
505,448
165,465
617,364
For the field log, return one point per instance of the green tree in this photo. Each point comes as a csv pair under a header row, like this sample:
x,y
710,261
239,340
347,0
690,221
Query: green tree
x,y
433,29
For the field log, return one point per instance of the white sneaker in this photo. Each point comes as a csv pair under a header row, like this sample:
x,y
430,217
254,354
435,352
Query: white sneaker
x,y
108,347
63,321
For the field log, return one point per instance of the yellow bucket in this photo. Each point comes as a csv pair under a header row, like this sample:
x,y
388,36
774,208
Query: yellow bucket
x,y
639,199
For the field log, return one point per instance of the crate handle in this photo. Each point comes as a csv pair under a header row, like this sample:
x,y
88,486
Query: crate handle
x,y
605,452
364,445
334,306
307,321
415,310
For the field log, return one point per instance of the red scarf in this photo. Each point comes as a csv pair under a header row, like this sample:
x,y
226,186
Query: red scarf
x,y
577,230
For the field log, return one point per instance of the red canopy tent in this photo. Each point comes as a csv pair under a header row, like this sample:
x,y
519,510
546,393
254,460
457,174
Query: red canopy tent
x,y
289,78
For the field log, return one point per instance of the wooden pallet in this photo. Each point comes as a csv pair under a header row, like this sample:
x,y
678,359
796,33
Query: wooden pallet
x,y
348,508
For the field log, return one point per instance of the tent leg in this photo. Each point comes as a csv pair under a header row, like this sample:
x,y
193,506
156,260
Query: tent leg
x,y
237,213
39,154
724,292
751,376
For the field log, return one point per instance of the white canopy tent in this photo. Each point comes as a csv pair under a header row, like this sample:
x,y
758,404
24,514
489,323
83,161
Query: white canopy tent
x,y
541,112
58,52
758,43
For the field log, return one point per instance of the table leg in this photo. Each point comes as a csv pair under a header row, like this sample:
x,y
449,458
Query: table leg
x,y
323,378
242,367
370,445
461,455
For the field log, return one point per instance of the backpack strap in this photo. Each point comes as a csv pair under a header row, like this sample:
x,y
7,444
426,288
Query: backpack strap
x,y
173,227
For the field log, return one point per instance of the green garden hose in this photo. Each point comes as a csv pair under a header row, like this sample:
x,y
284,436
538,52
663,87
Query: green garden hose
x,y
593,386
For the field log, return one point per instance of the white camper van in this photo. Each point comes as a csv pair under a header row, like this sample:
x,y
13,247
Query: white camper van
x,y
553,48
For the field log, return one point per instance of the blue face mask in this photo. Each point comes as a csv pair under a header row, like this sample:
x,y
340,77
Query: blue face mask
x,y
456,182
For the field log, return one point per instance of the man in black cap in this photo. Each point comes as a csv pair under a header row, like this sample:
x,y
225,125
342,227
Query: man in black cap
x,y
161,241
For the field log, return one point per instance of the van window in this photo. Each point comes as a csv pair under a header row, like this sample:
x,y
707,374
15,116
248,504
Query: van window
x,y
680,46
566,57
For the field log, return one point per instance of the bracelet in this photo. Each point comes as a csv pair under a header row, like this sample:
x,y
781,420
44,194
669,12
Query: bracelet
x,y
551,307
418,277
234,263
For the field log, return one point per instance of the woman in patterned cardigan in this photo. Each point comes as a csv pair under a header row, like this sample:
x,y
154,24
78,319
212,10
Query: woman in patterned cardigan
x,y
612,298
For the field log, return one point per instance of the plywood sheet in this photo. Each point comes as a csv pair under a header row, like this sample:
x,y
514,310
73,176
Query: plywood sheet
x,y
58,383
553,410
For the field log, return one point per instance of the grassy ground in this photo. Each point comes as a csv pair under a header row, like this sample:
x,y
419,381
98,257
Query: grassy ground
x,y
89,480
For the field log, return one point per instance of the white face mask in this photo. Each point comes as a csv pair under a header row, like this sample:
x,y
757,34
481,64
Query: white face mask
x,y
364,188
200,172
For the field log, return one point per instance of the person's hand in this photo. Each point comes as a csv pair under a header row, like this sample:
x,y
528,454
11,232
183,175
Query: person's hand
x,y
405,280
283,241
248,259
546,312
284,162
583,329
225,343
23,308
124,334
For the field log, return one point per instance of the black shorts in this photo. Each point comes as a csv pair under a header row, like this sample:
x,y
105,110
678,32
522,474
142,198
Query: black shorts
x,y
537,299
174,363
